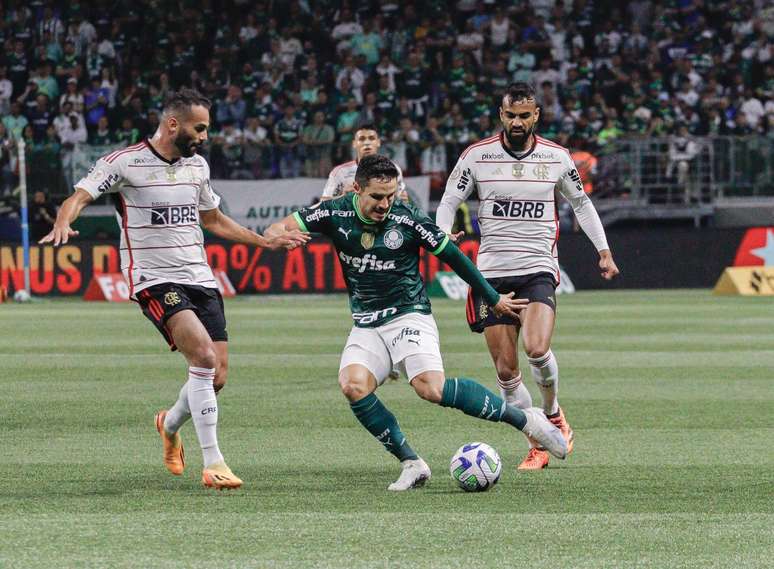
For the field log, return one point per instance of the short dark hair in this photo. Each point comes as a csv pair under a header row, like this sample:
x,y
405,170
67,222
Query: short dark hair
x,y
375,167
520,91
367,126
181,101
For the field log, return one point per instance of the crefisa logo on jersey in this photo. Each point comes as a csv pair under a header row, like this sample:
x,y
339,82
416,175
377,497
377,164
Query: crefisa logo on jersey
x,y
393,239
173,215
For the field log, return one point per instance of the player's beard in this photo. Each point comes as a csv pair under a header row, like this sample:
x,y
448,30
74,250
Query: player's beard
x,y
185,145
519,141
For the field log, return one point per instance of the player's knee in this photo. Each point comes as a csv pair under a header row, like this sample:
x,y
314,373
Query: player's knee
x,y
536,348
353,387
204,356
428,388
507,368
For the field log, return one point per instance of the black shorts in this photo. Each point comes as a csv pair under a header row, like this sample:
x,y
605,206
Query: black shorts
x,y
538,287
159,302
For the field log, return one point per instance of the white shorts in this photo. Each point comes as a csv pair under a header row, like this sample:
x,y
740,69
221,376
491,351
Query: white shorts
x,y
409,342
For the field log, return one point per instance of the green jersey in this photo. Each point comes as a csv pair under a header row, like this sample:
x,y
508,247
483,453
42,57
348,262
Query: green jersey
x,y
380,261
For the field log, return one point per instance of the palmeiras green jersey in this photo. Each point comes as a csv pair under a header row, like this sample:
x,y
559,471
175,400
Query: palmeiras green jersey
x,y
380,260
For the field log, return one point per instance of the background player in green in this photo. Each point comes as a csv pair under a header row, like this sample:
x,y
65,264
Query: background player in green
x,y
377,240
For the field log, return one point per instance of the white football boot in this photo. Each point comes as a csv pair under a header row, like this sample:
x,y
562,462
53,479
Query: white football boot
x,y
544,432
414,474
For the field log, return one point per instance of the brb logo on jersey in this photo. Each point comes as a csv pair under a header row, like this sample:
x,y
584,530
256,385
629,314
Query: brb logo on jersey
x,y
518,209
173,215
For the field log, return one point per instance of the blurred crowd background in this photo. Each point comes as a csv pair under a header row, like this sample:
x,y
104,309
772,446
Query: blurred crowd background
x,y
290,80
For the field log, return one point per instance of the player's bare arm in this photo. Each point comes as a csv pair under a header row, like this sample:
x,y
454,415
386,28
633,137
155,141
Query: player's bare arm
x,y
68,213
217,222
287,225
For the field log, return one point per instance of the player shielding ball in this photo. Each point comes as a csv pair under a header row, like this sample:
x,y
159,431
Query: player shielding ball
x,y
515,174
378,239
163,195
342,178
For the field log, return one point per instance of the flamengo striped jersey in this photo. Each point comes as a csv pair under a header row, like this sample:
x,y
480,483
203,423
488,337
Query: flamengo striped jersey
x,y
517,206
344,174
159,203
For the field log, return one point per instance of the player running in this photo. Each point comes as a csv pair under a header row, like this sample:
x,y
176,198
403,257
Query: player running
x,y
378,239
341,179
515,174
163,195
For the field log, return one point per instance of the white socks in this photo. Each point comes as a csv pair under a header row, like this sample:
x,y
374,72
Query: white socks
x,y
545,372
204,411
515,392
179,413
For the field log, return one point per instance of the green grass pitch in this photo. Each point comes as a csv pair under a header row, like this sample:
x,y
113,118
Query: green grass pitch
x,y
671,395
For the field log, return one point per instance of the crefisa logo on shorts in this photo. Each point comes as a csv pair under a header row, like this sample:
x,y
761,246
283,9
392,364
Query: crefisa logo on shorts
x,y
393,239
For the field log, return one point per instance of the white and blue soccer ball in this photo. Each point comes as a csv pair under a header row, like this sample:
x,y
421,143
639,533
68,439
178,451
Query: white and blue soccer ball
x,y
476,467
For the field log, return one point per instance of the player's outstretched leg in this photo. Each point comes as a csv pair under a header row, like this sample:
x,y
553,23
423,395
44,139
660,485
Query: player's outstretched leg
x,y
476,400
357,384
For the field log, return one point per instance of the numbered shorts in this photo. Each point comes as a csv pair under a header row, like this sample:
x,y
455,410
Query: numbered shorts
x,y
159,302
538,287
409,342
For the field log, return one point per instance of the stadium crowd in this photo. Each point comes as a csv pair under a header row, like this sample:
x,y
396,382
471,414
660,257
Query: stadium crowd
x,y
291,80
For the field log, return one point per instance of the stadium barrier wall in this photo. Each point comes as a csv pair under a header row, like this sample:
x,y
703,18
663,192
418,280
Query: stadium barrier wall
x,y
648,258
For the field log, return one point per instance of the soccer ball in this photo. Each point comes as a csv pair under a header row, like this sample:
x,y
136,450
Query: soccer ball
x,y
21,296
476,467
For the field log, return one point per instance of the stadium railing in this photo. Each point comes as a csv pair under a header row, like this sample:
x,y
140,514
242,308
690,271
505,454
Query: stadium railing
x,y
645,171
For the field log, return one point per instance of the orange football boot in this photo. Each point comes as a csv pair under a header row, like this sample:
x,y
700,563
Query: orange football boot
x,y
219,476
536,459
174,455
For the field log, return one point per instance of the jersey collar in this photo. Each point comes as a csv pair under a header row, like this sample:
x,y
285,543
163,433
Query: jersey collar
x,y
356,205
516,156
159,156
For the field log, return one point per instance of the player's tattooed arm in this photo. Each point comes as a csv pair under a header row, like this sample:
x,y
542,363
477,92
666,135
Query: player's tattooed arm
x,y
68,213
215,221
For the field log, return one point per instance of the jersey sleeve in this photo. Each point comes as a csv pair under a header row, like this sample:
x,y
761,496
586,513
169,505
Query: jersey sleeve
x,y
428,234
208,199
103,178
316,218
331,185
401,183
459,186
570,186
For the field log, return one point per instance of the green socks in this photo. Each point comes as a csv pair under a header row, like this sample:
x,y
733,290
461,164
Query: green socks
x,y
383,425
477,401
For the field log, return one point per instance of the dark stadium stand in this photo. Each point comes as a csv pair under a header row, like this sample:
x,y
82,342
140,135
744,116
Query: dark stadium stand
x,y
672,103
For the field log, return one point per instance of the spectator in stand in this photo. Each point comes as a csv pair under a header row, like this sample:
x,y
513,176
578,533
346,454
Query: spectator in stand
x,y
72,95
7,161
42,214
6,91
682,156
102,136
318,140
41,117
287,137
95,102
257,156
